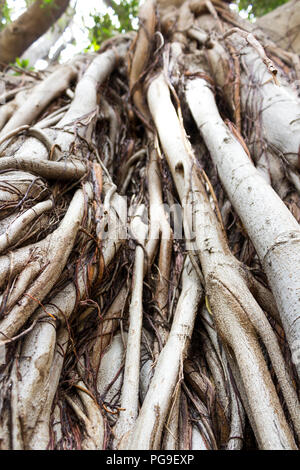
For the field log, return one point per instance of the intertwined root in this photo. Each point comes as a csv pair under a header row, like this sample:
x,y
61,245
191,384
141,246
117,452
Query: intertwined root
x,y
238,317
31,306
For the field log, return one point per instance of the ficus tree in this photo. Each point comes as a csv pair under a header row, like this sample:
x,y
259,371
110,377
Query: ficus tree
x,y
259,7
149,239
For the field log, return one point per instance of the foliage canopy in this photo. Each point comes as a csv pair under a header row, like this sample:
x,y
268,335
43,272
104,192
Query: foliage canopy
x,y
259,7
120,20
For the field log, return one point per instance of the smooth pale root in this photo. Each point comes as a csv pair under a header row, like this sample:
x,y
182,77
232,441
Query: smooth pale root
x,y
236,313
159,226
33,381
22,181
109,326
147,17
34,394
274,142
91,418
279,109
42,361
270,225
180,158
170,439
276,107
15,229
110,366
39,370
219,367
41,96
149,426
55,250
198,442
116,223
147,364
61,171
31,154
85,99
117,306
84,104
130,388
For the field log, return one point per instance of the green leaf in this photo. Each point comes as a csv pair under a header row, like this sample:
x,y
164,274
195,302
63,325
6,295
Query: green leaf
x,y
120,21
259,7
21,64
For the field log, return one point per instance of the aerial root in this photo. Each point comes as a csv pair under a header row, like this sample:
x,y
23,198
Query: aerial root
x,y
55,251
44,347
222,377
16,229
130,387
88,411
60,171
147,430
230,306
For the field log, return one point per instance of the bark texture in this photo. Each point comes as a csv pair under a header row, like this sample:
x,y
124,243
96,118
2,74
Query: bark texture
x,y
33,23
283,26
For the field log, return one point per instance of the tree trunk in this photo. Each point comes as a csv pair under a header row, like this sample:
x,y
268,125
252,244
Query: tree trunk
x,y
149,241
282,25
28,27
